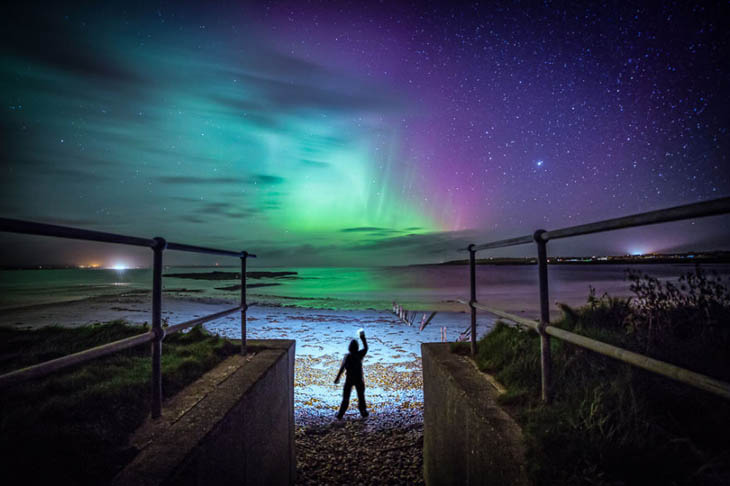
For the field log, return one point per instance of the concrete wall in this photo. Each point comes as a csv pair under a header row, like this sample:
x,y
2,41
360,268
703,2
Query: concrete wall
x,y
467,438
239,431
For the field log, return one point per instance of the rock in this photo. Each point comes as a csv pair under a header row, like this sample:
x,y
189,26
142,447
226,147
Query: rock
x,y
385,449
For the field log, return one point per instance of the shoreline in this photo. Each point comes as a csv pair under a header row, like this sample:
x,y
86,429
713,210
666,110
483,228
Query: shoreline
x,y
512,289
179,305
135,306
392,366
392,370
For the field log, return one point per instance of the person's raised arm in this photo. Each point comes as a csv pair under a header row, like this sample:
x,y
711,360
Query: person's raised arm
x,y
364,350
339,373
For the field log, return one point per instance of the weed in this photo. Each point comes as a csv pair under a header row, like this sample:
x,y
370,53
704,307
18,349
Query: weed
x,y
611,423
73,426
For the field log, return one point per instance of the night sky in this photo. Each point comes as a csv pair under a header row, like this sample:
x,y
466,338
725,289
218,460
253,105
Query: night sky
x,y
324,133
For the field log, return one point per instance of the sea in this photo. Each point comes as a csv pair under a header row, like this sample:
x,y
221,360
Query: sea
x,y
513,288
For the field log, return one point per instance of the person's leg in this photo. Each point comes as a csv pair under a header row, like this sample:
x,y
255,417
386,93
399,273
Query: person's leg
x,y
360,387
346,390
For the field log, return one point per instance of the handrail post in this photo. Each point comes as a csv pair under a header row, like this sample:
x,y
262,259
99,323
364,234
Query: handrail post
x,y
157,249
545,358
244,306
473,298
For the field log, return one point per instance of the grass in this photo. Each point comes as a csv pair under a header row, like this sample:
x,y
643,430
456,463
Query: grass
x,y
73,427
610,423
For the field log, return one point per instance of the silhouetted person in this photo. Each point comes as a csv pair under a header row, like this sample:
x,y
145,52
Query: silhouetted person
x,y
353,365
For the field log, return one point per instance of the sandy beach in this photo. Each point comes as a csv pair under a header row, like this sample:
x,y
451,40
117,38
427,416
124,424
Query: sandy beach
x,y
392,366
392,435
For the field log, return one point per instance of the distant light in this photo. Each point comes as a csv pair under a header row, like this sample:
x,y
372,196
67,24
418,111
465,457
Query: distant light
x,y
120,267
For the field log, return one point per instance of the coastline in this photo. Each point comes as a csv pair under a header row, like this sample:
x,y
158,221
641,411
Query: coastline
x,y
392,366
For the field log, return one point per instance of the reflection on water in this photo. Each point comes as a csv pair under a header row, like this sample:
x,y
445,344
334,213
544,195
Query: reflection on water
x,y
513,288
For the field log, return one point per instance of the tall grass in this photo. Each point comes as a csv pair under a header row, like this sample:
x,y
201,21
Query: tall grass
x,y
74,426
611,423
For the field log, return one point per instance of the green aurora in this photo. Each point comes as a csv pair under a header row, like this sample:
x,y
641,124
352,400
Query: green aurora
x,y
376,134
208,145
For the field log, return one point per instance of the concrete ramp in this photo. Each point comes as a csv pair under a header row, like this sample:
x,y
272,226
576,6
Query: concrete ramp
x,y
467,438
235,425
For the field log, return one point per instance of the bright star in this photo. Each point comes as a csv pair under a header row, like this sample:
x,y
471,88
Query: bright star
x,y
539,163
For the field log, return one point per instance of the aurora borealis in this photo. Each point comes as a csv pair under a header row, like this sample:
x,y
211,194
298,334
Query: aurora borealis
x,y
362,133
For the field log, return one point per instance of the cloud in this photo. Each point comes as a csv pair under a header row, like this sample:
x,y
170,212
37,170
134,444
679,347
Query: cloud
x,y
363,229
227,210
78,222
44,159
397,250
294,252
198,180
35,172
240,215
372,231
285,83
80,176
314,163
423,244
285,96
192,219
265,179
256,179
215,208
57,43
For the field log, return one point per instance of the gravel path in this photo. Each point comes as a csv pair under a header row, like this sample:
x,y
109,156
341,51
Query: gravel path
x,y
385,448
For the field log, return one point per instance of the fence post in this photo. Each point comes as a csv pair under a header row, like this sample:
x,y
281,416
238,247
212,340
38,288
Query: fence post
x,y
473,297
244,306
158,248
545,358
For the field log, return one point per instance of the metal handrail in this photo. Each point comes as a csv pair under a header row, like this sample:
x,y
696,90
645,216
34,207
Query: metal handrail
x,y
663,368
677,213
659,367
713,207
48,367
505,315
157,334
540,238
520,240
200,320
32,228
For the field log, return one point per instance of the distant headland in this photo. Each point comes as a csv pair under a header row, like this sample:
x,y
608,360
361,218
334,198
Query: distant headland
x,y
648,258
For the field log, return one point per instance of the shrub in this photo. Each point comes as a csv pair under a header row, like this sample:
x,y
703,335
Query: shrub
x,y
611,423
687,323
